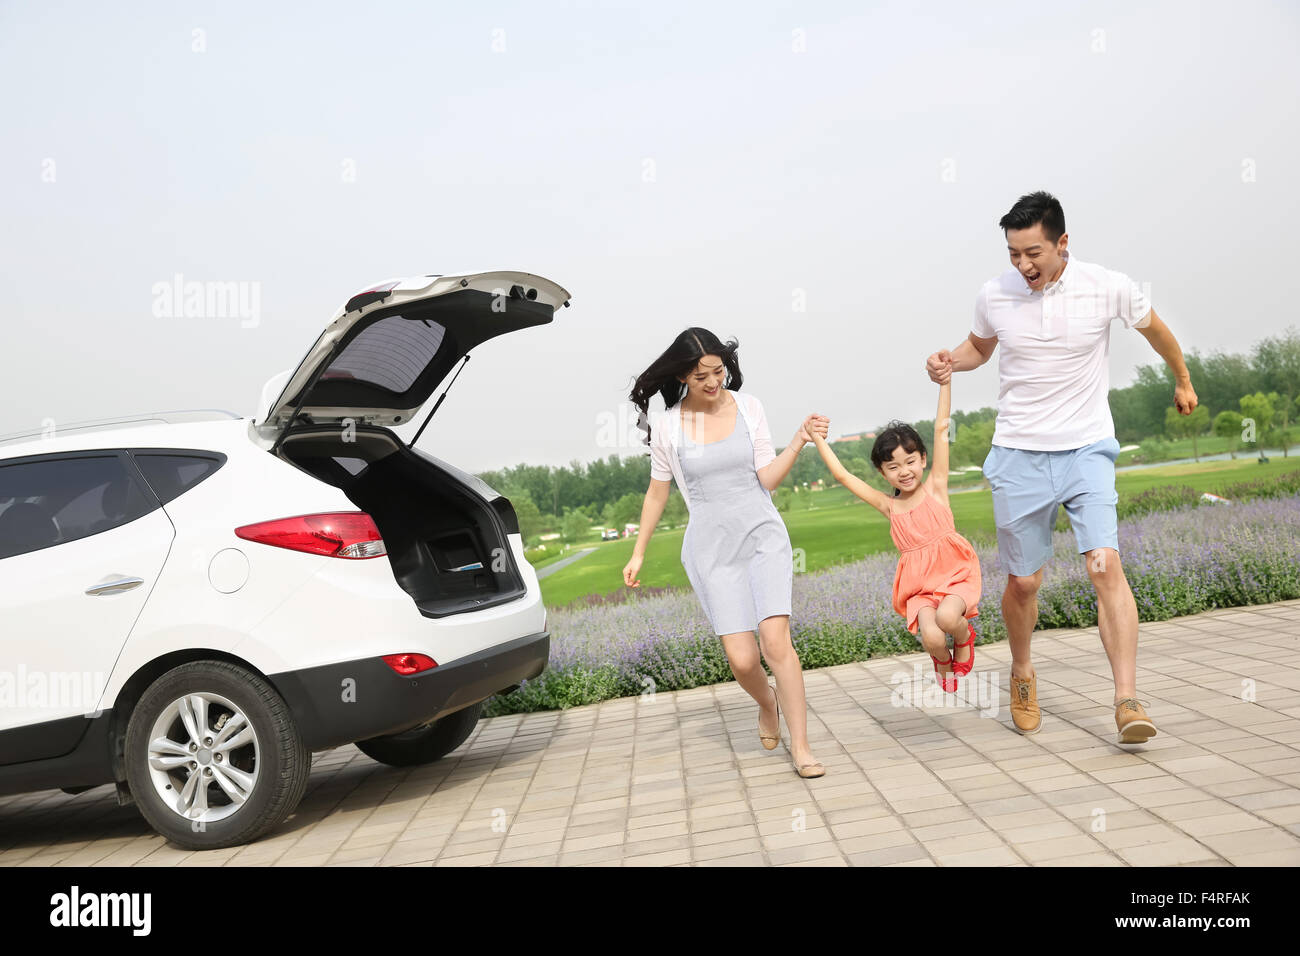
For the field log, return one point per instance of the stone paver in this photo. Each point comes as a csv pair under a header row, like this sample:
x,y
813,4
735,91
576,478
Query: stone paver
x,y
913,780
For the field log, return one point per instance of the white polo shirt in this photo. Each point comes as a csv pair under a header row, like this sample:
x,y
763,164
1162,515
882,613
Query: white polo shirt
x,y
1053,353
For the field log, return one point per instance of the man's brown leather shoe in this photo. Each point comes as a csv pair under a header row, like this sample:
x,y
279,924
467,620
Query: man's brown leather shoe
x,y
1134,725
1024,704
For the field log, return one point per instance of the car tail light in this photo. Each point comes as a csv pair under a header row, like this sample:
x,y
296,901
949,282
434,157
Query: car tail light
x,y
342,534
406,664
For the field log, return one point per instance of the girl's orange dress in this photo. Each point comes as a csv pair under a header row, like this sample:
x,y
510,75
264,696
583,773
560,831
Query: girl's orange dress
x,y
933,562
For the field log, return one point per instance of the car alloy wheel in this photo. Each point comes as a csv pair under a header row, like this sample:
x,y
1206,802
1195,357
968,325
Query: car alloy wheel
x,y
204,757
213,757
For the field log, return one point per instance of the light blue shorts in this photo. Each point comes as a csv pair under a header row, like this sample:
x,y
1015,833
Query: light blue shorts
x,y
1029,485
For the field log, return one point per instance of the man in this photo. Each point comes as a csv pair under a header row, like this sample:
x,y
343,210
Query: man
x,y
1054,440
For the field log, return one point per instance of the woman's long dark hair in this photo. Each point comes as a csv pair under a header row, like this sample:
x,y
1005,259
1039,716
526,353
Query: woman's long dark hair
x,y
680,358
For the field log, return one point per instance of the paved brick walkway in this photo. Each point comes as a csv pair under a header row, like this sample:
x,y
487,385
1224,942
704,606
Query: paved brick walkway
x,y
681,779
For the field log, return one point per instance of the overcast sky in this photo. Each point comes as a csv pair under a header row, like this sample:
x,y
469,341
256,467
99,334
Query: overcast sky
x,y
671,164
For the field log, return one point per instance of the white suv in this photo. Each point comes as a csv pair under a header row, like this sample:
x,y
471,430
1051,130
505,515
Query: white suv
x,y
189,609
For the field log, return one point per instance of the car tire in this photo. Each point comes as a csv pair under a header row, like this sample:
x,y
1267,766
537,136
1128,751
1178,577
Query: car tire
x,y
426,743
243,775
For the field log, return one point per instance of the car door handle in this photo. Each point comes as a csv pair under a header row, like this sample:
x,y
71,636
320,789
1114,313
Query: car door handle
x,y
115,587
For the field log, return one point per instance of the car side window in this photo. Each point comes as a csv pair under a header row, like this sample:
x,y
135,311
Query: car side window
x,y
54,501
170,476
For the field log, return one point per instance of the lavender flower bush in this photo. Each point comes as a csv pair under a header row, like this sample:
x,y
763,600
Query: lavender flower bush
x,y
1177,562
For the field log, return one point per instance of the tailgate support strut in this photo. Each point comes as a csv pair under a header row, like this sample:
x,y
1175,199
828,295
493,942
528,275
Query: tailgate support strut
x,y
438,403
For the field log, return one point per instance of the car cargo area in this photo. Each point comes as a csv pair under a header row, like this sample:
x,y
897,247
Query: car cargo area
x,y
447,546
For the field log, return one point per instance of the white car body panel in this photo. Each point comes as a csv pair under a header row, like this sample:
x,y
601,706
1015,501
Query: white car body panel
x,y
68,640
296,610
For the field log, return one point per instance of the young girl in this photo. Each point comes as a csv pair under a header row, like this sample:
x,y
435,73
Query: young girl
x,y
937,584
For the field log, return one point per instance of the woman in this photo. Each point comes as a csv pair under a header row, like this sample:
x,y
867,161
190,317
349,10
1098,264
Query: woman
x,y
714,440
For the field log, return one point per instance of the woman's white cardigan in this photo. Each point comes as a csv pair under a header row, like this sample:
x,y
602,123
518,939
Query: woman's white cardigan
x,y
666,439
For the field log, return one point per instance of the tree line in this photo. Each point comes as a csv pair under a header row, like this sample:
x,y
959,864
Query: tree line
x,y
1262,385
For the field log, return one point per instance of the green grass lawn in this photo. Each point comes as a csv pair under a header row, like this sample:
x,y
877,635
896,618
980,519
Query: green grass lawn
x,y
841,529
1206,473
553,553
1205,445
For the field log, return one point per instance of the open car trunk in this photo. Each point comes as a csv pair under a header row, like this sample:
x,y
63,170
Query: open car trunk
x,y
445,532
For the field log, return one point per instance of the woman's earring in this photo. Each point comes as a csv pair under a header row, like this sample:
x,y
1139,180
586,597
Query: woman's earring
x,y
896,490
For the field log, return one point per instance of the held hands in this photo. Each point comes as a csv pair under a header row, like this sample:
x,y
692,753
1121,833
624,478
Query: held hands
x,y
939,367
818,424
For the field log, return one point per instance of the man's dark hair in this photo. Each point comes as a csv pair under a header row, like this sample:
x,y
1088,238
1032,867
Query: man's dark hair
x,y
1036,207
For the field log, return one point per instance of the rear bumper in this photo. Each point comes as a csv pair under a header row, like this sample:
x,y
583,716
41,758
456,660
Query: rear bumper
x,y
342,703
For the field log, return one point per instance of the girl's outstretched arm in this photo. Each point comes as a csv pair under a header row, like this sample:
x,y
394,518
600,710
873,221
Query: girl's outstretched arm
x,y
849,480
939,458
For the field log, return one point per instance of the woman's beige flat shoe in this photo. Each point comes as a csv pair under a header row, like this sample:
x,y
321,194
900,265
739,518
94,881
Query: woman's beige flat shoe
x,y
769,741
814,769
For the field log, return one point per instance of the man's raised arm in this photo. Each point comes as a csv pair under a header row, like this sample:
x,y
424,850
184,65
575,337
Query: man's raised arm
x,y
972,353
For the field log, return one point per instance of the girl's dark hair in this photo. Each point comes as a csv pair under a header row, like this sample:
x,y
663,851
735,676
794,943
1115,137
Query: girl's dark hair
x,y
680,358
894,435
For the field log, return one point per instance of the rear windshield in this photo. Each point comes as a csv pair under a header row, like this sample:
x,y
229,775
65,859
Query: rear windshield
x,y
390,354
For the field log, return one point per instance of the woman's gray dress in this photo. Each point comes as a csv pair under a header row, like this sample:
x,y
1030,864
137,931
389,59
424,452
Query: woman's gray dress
x,y
736,549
